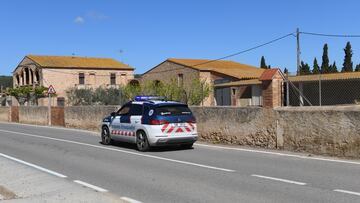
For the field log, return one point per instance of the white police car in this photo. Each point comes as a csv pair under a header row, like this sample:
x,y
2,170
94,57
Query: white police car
x,y
151,121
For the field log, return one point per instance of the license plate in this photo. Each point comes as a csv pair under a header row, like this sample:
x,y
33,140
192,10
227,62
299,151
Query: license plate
x,y
179,124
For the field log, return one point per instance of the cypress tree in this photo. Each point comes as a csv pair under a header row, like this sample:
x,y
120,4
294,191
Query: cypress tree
x,y
333,68
304,68
357,68
348,64
325,60
263,63
316,68
286,71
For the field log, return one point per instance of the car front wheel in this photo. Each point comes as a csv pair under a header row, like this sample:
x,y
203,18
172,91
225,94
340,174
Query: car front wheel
x,y
142,141
105,136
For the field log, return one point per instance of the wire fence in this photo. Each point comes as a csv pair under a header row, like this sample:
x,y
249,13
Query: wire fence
x,y
322,89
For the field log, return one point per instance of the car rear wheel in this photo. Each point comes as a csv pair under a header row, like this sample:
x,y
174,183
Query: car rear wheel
x,y
105,136
142,141
187,146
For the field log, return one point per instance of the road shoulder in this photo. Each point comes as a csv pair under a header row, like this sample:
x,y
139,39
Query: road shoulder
x,y
21,183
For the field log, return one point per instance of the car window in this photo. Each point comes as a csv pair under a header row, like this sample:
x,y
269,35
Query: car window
x,y
124,110
136,110
173,110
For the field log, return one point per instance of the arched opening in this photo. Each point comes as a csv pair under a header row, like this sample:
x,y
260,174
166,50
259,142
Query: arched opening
x,y
31,76
37,76
17,79
134,83
157,83
27,76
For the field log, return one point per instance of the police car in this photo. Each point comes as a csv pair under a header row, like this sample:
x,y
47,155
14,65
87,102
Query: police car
x,y
150,121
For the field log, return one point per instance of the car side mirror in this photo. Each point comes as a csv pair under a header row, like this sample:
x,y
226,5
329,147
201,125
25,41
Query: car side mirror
x,y
113,114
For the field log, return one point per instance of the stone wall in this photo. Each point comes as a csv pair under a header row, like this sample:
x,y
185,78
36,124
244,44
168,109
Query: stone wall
x,y
333,131
4,114
87,117
252,126
33,115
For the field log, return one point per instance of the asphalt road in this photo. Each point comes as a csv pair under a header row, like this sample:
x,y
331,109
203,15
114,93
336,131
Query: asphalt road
x,y
203,174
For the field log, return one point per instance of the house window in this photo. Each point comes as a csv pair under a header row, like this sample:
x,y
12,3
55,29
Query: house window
x,y
81,78
180,80
112,79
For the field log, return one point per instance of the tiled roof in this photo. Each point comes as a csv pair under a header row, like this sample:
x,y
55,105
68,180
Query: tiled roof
x,y
328,76
268,74
239,83
78,62
231,68
301,78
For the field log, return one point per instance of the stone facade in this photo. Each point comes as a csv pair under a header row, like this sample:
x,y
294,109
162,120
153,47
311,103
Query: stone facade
x,y
67,78
168,71
31,73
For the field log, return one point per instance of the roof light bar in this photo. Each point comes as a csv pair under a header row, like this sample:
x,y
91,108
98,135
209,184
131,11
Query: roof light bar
x,y
145,98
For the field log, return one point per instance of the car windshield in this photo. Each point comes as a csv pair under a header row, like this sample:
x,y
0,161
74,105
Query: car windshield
x,y
173,110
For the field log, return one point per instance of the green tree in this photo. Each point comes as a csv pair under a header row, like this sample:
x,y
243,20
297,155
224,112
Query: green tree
x,y
325,60
263,63
357,68
316,67
79,97
198,92
27,94
304,68
333,68
6,81
108,96
286,71
348,64
131,90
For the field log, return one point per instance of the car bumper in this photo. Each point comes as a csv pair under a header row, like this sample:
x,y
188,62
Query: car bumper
x,y
174,141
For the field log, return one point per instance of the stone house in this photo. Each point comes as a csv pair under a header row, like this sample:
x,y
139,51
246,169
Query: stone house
x,y
212,72
267,90
64,72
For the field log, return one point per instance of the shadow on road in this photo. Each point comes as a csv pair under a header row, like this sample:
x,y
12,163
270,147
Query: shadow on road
x,y
153,149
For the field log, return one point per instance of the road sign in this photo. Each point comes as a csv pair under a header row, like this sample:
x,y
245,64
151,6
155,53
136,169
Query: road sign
x,y
51,90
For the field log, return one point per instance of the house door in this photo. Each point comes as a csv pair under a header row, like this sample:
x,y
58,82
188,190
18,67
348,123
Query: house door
x,y
223,96
256,97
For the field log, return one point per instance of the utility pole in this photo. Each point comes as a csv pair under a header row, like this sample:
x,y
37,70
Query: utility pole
x,y
298,50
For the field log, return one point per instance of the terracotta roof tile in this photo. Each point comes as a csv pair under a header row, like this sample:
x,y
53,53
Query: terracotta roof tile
x,y
328,76
268,74
77,62
231,68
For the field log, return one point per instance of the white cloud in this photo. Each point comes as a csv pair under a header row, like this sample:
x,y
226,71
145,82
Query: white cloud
x,y
79,20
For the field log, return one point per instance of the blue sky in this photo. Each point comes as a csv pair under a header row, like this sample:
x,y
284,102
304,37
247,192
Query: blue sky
x,y
145,33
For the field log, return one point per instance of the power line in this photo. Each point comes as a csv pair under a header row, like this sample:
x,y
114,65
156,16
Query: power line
x,y
246,50
231,55
328,35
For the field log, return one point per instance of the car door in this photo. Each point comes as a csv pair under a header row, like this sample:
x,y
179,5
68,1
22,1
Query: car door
x,y
136,112
120,122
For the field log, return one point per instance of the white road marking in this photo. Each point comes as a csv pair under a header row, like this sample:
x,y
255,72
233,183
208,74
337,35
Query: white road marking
x,y
130,200
96,188
279,179
123,151
280,154
33,166
348,192
53,127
